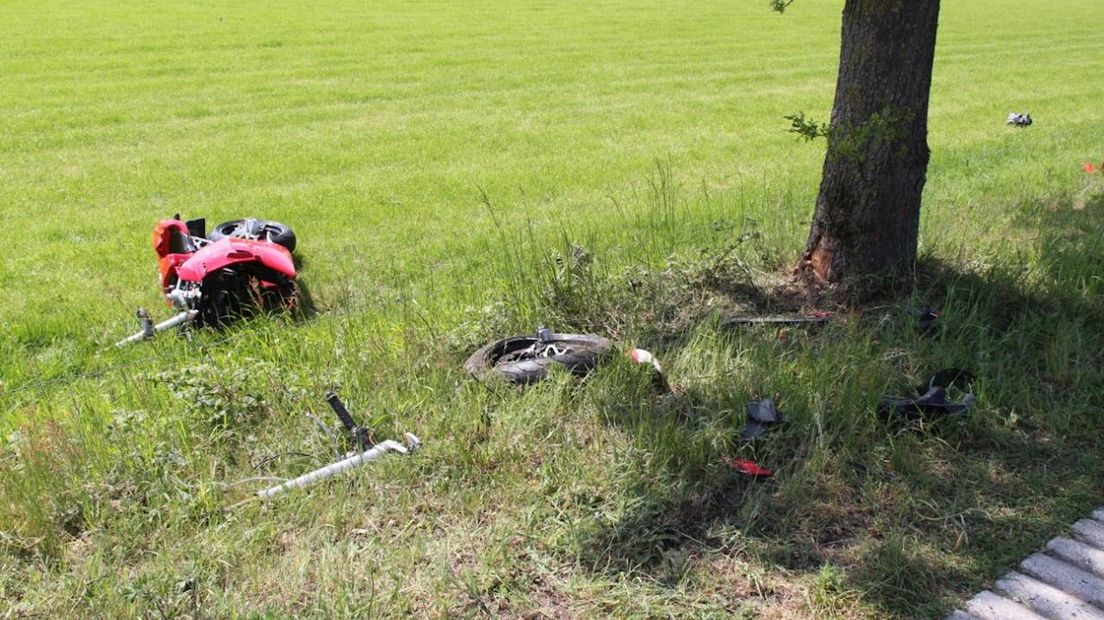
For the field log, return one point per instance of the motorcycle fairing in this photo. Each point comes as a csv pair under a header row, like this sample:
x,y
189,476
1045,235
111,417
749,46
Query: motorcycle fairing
x,y
172,237
168,266
231,251
173,246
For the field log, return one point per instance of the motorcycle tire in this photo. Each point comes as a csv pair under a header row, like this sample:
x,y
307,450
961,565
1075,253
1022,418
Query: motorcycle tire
x,y
501,357
221,302
233,294
276,232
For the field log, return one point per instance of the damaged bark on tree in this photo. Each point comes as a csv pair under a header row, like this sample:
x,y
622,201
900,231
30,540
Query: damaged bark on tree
x,y
868,210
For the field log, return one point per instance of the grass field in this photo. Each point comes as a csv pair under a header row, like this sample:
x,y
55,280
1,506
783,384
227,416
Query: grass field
x,y
441,162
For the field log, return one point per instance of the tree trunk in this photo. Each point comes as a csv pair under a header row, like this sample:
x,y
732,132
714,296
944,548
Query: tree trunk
x,y
868,211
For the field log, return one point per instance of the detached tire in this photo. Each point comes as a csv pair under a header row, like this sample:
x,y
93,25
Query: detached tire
x,y
507,358
276,232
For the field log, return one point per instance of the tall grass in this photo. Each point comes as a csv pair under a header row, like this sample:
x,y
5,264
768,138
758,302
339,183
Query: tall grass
x,y
595,483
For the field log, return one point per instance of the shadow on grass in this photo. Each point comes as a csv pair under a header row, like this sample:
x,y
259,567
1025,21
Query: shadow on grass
x,y
307,309
918,519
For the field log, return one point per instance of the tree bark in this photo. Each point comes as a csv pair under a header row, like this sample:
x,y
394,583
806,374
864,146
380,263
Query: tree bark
x,y
868,211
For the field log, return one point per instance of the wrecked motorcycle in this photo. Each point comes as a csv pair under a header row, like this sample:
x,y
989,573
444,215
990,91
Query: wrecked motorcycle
x,y
240,267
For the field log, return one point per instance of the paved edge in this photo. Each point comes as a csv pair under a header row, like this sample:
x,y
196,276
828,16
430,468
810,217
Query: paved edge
x,y
1065,581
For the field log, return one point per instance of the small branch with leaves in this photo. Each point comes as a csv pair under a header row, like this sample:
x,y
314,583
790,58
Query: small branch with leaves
x,y
780,6
808,129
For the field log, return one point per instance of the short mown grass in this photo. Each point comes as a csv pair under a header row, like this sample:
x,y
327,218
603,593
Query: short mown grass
x,y
461,171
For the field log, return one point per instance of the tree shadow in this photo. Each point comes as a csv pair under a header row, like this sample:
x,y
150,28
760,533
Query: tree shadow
x,y
918,517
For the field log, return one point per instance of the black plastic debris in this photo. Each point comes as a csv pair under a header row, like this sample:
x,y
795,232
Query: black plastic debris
x,y
1019,120
932,404
928,318
761,416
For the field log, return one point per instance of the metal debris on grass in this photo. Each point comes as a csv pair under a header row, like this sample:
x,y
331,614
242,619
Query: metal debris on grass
x,y
359,439
331,470
813,318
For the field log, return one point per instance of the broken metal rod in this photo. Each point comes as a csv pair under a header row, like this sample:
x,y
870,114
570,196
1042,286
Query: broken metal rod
x,y
187,316
331,470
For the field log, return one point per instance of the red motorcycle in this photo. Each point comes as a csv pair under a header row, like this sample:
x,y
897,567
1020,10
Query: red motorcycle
x,y
240,267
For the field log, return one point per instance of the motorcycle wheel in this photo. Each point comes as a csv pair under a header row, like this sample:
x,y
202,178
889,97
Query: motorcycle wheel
x,y
274,231
222,299
511,359
237,294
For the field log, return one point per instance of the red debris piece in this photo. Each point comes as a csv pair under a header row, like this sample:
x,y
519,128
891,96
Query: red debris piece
x,y
750,468
1090,168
